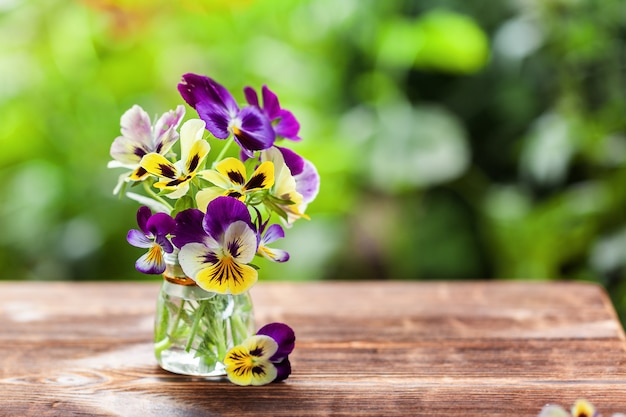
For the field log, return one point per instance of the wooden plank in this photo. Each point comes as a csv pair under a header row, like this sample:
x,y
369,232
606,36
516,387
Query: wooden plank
x,y
388,348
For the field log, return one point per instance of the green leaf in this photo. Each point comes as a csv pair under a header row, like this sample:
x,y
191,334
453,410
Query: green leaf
x,y
183,203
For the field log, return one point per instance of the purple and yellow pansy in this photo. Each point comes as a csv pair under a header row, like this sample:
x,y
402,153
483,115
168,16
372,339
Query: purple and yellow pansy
x,y
262,358
216,253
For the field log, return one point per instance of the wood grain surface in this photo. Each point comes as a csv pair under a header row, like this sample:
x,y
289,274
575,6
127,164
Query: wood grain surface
x,y
363,349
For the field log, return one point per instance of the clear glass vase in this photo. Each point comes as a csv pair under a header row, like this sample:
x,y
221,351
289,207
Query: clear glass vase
x,y
195,328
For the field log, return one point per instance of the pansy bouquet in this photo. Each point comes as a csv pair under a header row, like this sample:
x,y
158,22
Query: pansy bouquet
x,y
203,221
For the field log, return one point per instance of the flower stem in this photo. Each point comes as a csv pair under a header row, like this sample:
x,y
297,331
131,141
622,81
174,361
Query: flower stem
x,y
157,197
196,323
223,151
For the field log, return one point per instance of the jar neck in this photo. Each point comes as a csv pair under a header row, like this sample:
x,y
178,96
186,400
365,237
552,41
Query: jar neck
x,y
174,272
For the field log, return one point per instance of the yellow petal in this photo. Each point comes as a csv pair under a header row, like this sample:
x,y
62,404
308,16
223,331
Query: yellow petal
x,y
583,408
190,132
158,165
233,169
139,174
206,195
227,276
248,363
215,178
199,151
262,178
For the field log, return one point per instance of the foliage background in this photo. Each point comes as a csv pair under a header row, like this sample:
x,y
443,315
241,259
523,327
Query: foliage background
x,y
455,139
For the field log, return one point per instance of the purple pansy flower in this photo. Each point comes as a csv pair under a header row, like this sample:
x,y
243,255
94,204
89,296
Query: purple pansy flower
x,y
153,235
215,105
285,337
216,251
283,121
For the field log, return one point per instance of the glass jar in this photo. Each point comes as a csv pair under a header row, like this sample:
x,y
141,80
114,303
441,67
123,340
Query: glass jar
x,y
195,328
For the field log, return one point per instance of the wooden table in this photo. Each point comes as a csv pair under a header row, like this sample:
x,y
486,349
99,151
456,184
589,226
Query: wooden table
x,y
363,349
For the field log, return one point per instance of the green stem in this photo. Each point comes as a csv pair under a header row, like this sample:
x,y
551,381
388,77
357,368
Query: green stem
x,y
223,151
159,347
157,197
196,323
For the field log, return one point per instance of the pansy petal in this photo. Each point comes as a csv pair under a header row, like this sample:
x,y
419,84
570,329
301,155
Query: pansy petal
x,y
196,89
248,364
165,129
261,346
164,243
226,276
198,152
251,97
160,224
135,124
158,165
583,408
271,106
308,182
127,150
190,133
138,239
223,211
188,228
138,174
255,132
152,262
262,178
215,178
287,126
294,162
284,337
273,254
196,257
206,195
283,370
217,119
240,242
143,215
233,169
273,233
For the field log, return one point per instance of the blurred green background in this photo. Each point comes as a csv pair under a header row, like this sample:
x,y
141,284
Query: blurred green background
x,y
455,139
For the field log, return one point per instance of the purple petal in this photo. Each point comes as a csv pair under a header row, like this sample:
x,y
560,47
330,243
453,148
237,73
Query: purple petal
x,y
271,106
160,224
251,96
217,119
165,130
284,337
196,89
138,239
143,215
283,369
169,120
273,233
188,228
222,212
136,125
255,132
165,244
308,182
294,162
287,126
